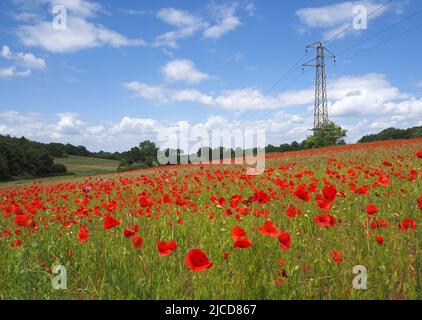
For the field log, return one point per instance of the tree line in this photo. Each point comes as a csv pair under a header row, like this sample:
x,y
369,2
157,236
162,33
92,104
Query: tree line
x,y
20,157
393,134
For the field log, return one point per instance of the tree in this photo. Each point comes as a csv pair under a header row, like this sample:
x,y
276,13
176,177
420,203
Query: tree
x,y
329,134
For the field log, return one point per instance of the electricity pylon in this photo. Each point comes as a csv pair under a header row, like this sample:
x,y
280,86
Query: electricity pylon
x,y
320,106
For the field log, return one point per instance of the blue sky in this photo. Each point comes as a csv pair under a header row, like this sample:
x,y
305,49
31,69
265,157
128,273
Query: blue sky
x,y
124,71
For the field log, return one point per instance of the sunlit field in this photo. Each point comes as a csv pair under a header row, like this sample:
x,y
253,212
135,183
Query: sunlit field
x,y
211,232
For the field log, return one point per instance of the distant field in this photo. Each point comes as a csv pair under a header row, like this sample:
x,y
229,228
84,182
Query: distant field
x,y
86,166
79,166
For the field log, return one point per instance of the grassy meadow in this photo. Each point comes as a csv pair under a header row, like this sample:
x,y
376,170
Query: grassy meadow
x,y
76,167
295,232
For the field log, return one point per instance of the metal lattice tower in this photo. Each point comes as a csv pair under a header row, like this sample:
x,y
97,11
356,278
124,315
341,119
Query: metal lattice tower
x,y
320,106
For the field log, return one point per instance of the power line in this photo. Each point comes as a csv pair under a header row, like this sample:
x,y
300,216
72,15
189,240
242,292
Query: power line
x,y
351,26
385,41
285,76
380,32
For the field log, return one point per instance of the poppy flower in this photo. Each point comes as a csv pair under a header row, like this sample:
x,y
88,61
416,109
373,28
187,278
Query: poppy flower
x,y
197,260
242,243
83,234
293,211
235,201
23,221
110,222
285,241
420,202
379,224
379,239
407,224
165,248
301,193
364,190
336,256
261,197
16,244
325,220
238,232
371,209
419,154
137,242
130,232
330,193
145,202
269,229
324,205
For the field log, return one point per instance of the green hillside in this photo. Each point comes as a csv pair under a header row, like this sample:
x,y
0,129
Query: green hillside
x,y
87,166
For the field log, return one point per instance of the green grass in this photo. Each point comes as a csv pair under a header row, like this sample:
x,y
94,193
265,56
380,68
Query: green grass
x,y
87,166
76,167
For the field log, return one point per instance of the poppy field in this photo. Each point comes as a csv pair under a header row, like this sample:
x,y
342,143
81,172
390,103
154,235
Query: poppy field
x,y
212,232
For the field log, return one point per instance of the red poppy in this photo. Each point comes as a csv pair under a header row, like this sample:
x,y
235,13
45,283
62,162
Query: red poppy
x,y
23,221
324,205
226,255
130,232
293,211
285,241
336,256
419,154
145,202
235,200
110,222
325,220
420,202
197,260
379,239
301,193
165,248
379,224
364,190
242,243
261,197
407,224
16,244
83,234
371,209
269,229
330,193
238,232
137,242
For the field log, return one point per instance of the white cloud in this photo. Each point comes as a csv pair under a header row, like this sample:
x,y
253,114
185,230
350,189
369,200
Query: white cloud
x,y
134,126
11,72
68,124
183,70
155,94
25,61
231,100
79,34
96,130
186,25
337,17
369,96
226,20
250,9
